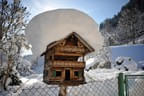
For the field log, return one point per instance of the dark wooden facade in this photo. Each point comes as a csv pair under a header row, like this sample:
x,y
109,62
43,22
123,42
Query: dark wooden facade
x,y
64,60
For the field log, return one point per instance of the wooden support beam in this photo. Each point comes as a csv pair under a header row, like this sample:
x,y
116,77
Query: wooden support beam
x,y
68,54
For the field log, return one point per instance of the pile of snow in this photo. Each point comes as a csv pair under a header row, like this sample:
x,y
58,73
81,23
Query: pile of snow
x,y
125,63
101,74
25,51
134,51
99,59
97,62
90,62
57,24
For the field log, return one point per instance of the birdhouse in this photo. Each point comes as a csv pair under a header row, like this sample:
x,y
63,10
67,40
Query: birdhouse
x,y
64,60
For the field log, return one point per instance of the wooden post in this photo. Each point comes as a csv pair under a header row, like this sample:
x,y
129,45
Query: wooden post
x,y
63,90
83,59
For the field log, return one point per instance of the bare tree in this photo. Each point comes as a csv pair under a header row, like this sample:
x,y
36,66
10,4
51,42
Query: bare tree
x,y
13,19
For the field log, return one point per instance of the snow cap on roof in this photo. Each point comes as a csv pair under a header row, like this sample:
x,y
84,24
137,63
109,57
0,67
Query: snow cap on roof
x,y
56,24
52,44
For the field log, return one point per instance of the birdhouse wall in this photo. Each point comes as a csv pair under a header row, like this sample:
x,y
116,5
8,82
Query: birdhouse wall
x,y
62,62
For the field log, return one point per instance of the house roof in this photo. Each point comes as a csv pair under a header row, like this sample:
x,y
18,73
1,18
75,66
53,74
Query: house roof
x,y
90,48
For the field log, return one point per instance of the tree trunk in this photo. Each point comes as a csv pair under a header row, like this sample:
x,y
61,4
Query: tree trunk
x,y
9,68
1,59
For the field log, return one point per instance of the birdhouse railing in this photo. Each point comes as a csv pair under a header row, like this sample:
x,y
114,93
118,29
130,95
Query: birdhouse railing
x,y
70,49
68,64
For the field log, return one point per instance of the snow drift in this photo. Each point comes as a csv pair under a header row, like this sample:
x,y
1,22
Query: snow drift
x,y
125,63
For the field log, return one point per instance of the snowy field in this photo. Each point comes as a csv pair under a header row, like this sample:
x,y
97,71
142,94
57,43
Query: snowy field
x,y
97,81
100,82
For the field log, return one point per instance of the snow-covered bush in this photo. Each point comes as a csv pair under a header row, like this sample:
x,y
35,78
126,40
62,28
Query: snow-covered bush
x,y
98,60
11,48
9,79
125,63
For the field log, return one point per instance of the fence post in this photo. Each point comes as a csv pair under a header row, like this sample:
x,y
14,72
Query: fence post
x,y
63,90
121,84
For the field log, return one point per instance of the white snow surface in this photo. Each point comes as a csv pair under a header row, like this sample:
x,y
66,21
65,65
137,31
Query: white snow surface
x,y
57,24
90,62
25,52
101,74
99,83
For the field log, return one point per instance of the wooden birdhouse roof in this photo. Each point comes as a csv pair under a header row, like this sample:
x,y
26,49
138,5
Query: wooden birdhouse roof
x,y
51,45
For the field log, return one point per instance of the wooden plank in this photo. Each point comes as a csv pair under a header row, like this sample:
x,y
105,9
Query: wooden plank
x,y
68,54
69,49
68,64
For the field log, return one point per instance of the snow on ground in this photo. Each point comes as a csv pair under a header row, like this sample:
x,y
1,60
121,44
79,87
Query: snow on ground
x,y
34,78
101,74
90,62
135,82
32,86
133,72
97,88
100,82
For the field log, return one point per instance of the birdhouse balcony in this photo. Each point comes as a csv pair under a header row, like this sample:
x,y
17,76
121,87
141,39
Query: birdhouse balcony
x,y
70,49
68,64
